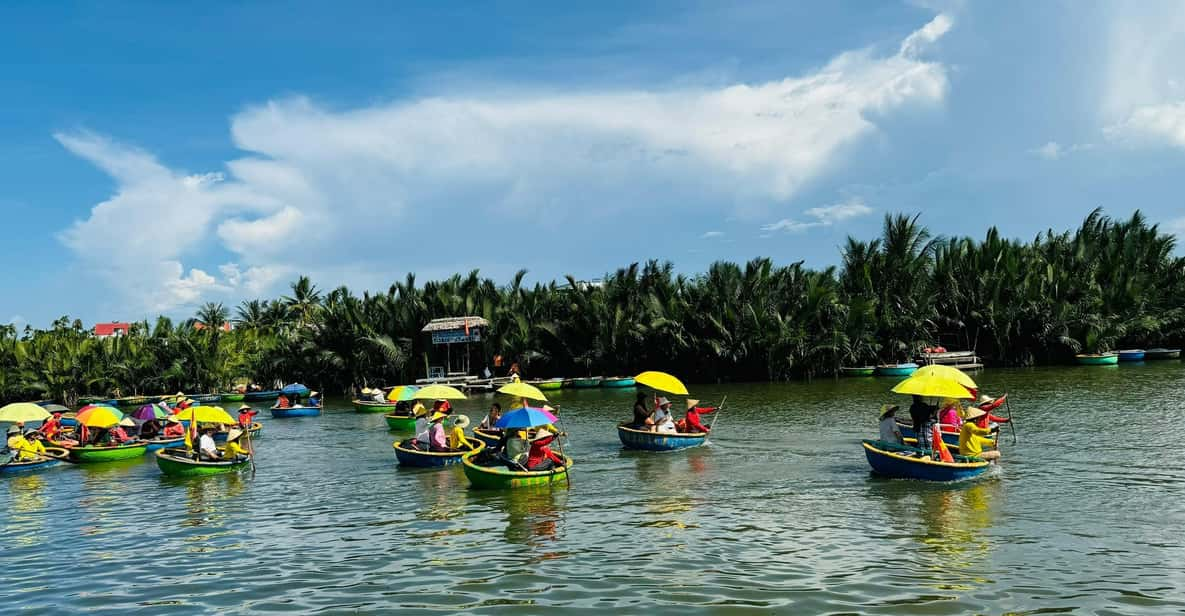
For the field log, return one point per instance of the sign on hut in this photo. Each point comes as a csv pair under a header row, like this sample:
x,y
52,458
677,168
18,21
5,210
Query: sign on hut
x,y
452,331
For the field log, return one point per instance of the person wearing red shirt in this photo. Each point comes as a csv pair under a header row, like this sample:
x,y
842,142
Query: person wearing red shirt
x,y
541,457
246,416
173,427
52,426
692,422
282,402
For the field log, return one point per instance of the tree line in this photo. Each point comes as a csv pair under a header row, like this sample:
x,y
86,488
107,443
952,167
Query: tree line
x,y
1108,284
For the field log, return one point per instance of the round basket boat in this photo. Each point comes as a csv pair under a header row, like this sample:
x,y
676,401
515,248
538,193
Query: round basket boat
x,y
178,463
370,406
430,459
619,382
107,453
901,462
270,394
400,423
500,477
659,441
233,397
36,464
161,442
295,411
489,437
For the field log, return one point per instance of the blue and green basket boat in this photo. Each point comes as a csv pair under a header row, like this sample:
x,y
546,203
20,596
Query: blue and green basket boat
x,y
409,456
619,382
646,440
500,477
1097,359
51,459
904,369
900,462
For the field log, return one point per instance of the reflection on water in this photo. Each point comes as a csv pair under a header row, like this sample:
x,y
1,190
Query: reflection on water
x,y
779,513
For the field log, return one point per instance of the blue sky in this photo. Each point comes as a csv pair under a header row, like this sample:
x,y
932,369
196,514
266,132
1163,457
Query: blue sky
x,y
159,155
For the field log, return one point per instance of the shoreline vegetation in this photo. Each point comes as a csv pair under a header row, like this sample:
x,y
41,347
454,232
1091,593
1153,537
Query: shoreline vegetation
x,y
1109,284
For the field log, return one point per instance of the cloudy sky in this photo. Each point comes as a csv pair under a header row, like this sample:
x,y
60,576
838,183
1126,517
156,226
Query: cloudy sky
x,y
157,156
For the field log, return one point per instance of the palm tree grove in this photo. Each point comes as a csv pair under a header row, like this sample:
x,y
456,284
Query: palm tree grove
x,y
1105,285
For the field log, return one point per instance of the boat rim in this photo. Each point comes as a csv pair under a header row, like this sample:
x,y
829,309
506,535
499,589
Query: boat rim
x,y
441,454
622,426
870,447
505,472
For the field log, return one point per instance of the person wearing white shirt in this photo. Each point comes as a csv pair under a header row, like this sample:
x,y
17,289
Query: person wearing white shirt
x,y
663,421
422,425
206,445
890,433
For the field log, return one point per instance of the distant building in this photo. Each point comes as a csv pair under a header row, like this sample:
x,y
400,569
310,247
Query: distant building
x,y
198,325
107,330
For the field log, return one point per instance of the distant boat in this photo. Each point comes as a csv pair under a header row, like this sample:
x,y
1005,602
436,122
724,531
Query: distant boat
x,y
619,381
592,381
1097,359
548,384
858,370
270,394
1162,354
1132,355
904,369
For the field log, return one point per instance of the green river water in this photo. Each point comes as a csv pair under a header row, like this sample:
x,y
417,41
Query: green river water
x,y
778,514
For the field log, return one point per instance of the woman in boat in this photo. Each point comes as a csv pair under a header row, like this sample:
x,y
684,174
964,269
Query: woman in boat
x,y
663,420
951,415
456,436
246,416
541,457
117,435
282,402
21,447
889,432
173,427
436,438
491,418
232,449
691,422
314,399
378,395
641,414
922,415
422,426
52,426
973,438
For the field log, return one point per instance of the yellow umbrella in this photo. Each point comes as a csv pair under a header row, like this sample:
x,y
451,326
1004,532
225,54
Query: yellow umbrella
x,y
932,386
439,392
205,414
662,382
522,390
947,372
23,411
99,417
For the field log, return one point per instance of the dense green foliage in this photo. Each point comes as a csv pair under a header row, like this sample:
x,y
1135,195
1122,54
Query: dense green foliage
x,y
1107,285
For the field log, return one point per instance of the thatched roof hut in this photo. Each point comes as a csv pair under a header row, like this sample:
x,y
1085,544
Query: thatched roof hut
x,y
453,323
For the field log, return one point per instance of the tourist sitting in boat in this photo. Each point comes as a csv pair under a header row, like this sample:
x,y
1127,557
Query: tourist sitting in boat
x,y
540,457
442,406
973,438
890,433
491,418
207,450
950,416
436,438
378,395
641,414
247,416
150,429
514,447
691,422
232,449
922,415
173,427
283,402
663,420
456,436
989,404
314,399
117,435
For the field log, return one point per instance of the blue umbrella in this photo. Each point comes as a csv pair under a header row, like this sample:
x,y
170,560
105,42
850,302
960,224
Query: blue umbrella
x,y
295,389
525,418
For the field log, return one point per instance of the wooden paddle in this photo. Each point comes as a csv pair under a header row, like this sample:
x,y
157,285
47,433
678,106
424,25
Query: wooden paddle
x,y
250,448
1011,422
712,425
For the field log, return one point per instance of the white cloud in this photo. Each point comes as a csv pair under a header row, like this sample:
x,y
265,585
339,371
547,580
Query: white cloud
x,y
320,189
1143,101
822,216
1160,124
1050,151
711,234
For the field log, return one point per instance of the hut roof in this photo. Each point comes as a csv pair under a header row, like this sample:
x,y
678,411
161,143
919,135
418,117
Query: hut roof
x,y
451,323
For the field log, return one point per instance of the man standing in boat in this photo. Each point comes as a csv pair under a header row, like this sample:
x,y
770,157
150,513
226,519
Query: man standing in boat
x,y
922,415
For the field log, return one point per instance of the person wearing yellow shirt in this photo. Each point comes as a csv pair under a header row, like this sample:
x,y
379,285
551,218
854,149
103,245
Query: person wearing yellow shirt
x,y
233,449
973,439
23,448
456,436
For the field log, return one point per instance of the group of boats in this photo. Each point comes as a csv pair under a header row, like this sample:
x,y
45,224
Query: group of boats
x,y
1130,355
136,401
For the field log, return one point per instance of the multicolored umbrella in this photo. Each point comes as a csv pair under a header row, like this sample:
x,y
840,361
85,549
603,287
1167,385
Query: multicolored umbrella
x,y
149,411
525,417
205,414
97,406
23,411
98,416
402,393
